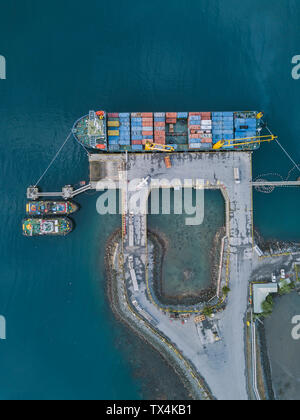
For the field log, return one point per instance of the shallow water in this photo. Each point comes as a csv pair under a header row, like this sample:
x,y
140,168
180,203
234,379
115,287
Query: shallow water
x,y
186,269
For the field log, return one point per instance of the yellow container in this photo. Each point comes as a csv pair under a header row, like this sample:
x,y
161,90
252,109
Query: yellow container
x,y
113,123
113,132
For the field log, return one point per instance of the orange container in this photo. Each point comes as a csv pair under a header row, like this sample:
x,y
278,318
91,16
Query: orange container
x,y
147,115
171,114
147,133
159,124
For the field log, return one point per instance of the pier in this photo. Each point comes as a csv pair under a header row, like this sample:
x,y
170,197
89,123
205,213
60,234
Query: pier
x,y
67,193
276,184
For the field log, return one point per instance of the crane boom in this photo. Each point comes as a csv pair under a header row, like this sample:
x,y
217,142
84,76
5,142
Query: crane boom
x,y
244,141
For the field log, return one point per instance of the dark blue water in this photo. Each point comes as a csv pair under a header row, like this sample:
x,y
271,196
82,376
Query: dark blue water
x,y
64,58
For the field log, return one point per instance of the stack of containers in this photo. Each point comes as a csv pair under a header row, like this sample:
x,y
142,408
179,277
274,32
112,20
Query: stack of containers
x,y
206,129
136,131
182,115
124,119
113,132
228,128
195,132
223,127
147,122
160,128
245,128
171,117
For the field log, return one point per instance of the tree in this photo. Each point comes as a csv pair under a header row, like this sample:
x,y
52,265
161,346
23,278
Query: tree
x,y
286,288
226,290
207,311
268,306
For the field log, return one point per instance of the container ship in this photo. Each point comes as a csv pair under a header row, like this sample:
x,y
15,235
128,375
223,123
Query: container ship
x,y
60,226
50,208
169,131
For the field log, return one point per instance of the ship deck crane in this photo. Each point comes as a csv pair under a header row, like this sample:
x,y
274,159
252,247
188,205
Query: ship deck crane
x,y
153,147
244,141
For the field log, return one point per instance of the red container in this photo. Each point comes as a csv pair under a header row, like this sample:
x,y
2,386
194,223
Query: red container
x,y
159,124
195,127
113,115
147,114
171,114
147,133
195,114
135,142
195,136
171,121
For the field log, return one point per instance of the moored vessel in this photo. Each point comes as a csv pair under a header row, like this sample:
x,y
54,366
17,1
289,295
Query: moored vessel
x,y
60,226
170,131
50,208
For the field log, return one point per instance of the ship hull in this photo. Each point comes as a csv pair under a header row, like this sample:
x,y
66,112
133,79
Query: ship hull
x,y
183,131
50,208
50,227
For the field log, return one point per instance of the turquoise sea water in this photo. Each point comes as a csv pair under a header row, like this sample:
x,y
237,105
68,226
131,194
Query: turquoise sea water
x,y
64,58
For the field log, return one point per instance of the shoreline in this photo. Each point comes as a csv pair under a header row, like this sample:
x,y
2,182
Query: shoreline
x,y
197,391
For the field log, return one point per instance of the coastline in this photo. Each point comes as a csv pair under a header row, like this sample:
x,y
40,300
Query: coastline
x,y
195,386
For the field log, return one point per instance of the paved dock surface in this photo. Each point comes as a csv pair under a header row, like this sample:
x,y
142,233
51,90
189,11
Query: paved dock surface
x,y
222,364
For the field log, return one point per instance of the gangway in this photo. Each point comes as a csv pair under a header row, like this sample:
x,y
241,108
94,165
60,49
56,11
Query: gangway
x,y
276,183
68,192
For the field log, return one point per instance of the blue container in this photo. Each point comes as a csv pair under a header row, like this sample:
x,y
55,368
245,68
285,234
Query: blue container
x,y
217,131
137,147
182,115
227,114
159,119
193,141
124,115
217,114
113,148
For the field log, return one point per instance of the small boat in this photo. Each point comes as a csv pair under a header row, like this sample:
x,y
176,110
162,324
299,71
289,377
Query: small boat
x,y
50,208
60,226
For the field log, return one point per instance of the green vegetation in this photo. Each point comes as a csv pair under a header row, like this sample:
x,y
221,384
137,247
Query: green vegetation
x,y
286,288
297,270
207,311
267,307
226,290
